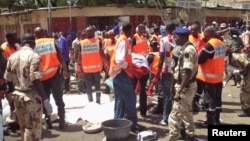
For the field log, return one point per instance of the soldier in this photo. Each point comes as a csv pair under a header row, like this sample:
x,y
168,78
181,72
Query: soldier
x,y
242,61
23,73
77,50
236,45
183,87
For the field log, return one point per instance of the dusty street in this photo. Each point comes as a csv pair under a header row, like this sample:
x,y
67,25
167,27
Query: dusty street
x,y
231,107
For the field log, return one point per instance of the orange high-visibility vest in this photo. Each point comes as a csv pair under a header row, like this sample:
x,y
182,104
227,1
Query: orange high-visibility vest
x,y
141,46
8,50
114,68
109,46
199,43
195,41
50,63
158,40
212,71
154,65
90,55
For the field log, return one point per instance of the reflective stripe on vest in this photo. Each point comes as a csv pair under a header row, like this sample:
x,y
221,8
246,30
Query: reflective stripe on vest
x,y
50,63
200,72
212,70
90,55
92,67
50,70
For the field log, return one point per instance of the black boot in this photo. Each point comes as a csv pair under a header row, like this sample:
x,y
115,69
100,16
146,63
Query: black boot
x,y
189,138
210,120
196,104
48,123
217,117
90,97
182,134
12,129
61,122
158,109
98,97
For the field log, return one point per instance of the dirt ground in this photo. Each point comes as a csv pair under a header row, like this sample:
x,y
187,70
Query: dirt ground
x,y
231,107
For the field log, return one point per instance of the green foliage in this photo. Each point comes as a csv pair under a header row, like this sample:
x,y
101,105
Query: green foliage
x,y
15,5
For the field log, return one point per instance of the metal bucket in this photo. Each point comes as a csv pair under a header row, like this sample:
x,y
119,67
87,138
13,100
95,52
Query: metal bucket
x,y
116,129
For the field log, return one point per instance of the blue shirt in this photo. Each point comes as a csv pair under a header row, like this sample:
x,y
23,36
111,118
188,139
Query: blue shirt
x,y
116,29
63,45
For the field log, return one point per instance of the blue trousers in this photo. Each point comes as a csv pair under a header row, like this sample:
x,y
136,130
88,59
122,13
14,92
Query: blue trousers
x,y
125,98
167,102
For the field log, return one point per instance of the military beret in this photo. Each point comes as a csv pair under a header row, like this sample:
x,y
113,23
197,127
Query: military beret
x,y
181,31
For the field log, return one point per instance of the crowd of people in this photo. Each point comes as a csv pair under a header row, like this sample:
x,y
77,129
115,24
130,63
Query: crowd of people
x,y
187,62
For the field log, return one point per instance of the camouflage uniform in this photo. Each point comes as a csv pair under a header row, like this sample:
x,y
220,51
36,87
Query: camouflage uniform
x,y
80,78
240,59
182,109
28,104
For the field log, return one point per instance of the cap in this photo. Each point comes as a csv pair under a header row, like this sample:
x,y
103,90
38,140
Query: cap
x,y
181,31
223,25
214,22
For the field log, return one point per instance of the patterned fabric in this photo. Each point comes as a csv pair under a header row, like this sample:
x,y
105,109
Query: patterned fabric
x,y
166,46
20,66
28,109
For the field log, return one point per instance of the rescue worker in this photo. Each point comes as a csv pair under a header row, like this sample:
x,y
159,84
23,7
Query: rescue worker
x,y
153,59
109,45
242,62
54,73
211,71
122,71
197,40
9,47
164,73
183,87
29,97
155,40
91,63
140,46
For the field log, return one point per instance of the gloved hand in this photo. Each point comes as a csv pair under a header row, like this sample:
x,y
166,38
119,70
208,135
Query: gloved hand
x,y
47,106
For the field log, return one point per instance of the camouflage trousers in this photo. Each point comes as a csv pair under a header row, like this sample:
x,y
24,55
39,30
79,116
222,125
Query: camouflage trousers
x,y
29,109
81,82
182,113
245,94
